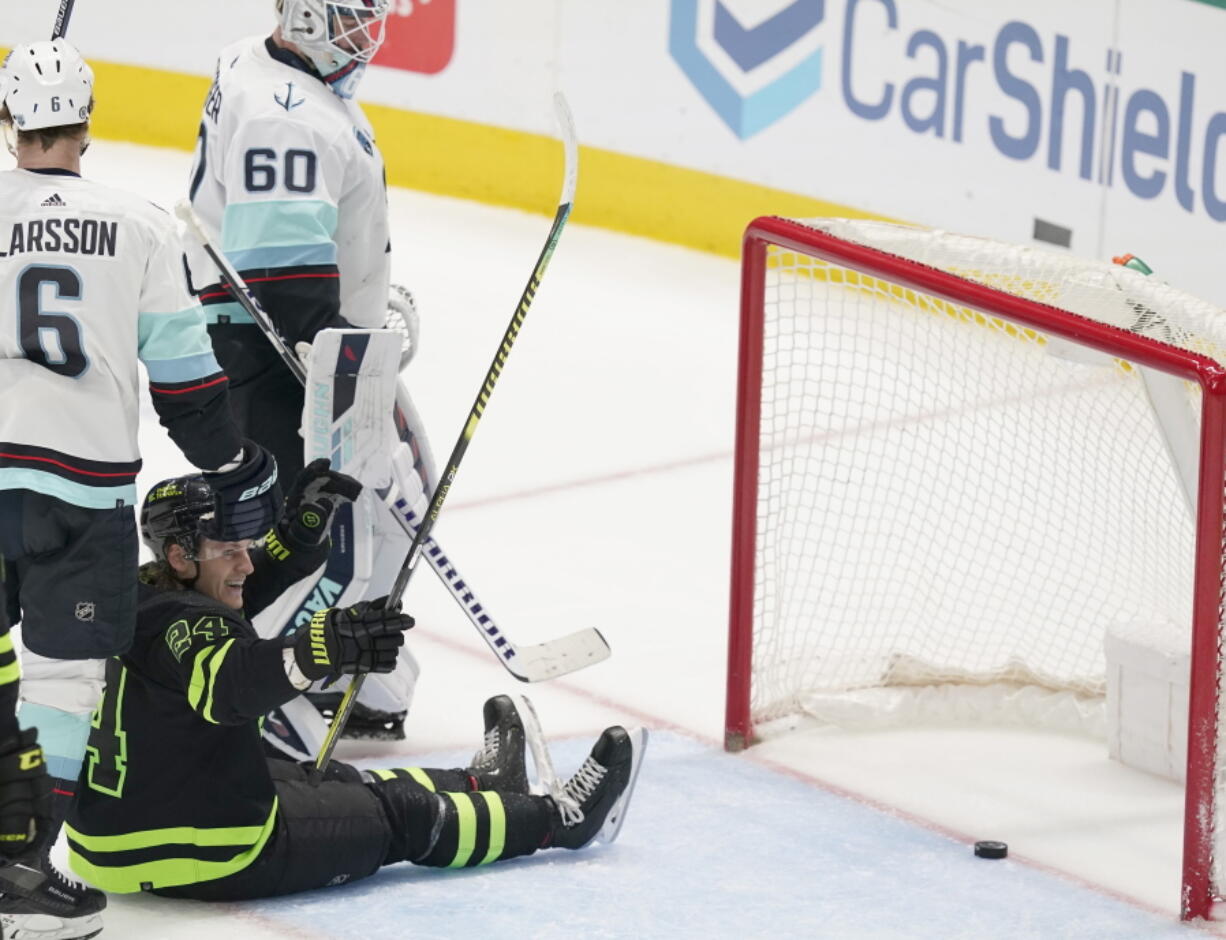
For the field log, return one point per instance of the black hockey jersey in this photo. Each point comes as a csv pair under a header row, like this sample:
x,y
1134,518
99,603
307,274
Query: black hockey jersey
x,y
175,788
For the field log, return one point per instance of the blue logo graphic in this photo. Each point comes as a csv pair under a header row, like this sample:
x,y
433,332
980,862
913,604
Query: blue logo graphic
x,y
748,113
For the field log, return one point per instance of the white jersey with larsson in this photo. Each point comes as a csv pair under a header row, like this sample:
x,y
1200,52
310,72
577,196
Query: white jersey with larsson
x,y
290,176
91,280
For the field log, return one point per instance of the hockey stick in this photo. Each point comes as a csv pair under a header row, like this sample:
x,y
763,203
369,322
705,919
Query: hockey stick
x,y
587,644
62,18
533,663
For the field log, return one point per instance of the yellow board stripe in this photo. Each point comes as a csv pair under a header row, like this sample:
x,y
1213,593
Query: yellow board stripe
x,y
489,164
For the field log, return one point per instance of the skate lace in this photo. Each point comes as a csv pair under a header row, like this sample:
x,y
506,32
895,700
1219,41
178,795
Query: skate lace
x,y
488,755
66,880
578,790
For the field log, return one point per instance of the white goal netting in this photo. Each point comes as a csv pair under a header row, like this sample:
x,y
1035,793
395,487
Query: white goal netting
x,y
947,500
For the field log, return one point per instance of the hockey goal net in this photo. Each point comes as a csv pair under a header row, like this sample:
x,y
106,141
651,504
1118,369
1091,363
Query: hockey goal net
x,y
960,463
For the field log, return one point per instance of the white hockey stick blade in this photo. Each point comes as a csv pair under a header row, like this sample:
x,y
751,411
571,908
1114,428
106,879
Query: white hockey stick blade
x,y
550,659
617,815
350,390
534,663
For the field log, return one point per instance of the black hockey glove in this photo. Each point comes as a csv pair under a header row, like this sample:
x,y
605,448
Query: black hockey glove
x,y
247,497
317,493
352,640
25,796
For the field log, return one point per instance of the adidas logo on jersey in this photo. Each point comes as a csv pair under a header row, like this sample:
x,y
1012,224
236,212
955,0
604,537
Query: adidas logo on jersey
x,y
53,200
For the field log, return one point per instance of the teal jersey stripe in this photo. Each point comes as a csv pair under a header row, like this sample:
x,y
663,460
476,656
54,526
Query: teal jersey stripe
x,y
278,223
233,312
171,371
282,256
176,345
90,497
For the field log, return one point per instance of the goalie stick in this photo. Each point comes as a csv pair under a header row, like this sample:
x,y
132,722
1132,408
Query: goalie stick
x,y
587,645
532,663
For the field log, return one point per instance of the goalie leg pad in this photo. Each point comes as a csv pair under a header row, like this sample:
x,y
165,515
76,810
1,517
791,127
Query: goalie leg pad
x,y
58,697
296,730
392,692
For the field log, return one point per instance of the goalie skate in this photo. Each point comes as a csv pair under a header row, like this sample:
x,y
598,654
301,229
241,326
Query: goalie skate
x,y
364,723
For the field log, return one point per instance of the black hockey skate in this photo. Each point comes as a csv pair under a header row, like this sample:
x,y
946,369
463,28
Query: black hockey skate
x,y
595,799
41,903
364,723
499,765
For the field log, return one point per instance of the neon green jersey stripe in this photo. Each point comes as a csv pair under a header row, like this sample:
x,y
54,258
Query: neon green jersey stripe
x,y
6,643
195,686
466,837
498,826
384,774
249,841
216,668
198,689
421,777
10,673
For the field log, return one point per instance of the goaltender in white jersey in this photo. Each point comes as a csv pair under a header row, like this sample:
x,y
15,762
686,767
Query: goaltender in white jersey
x,y
288,171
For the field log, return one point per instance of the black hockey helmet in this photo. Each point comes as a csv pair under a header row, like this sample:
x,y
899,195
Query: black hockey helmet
x,y
172,511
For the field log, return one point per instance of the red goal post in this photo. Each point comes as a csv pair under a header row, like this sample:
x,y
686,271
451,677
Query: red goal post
x,y
1093,328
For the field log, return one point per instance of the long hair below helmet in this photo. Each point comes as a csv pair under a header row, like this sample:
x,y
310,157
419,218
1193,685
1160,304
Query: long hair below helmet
x,y
171,514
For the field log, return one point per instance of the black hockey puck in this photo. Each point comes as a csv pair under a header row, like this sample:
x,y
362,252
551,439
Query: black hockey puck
x,y
991,849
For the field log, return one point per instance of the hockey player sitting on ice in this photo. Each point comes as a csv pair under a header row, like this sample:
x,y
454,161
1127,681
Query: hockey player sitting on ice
x,y
91,280
288,172
187,701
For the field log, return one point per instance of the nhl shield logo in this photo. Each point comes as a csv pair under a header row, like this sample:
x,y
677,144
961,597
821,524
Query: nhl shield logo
x,y
85,611
751,74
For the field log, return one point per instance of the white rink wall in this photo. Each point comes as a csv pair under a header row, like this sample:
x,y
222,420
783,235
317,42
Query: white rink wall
x,y
1100,123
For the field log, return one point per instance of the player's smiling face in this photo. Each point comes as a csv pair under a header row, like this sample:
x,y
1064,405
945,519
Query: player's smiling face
x,y
224,567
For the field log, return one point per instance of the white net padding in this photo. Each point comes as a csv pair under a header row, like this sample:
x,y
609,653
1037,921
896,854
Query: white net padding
x,y
950,500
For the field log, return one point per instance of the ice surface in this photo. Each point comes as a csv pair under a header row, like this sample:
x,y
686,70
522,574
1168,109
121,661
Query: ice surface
x,y
597,493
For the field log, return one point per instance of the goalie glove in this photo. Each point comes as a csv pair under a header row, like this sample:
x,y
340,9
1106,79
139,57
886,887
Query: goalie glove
x,y
246,496
351,640
318,492
402,317
25,796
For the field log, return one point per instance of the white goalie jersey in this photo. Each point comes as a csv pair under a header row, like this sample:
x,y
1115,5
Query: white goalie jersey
x,y
289,174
